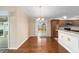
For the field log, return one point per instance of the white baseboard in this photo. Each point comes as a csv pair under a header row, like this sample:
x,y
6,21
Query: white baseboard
x,y
36,35
13,48
22,43
19,45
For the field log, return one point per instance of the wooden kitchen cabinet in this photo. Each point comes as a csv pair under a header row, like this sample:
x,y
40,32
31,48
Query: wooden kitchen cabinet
x,y
55,24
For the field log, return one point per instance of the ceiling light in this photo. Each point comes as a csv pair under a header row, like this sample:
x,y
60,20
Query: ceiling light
x,y
65,17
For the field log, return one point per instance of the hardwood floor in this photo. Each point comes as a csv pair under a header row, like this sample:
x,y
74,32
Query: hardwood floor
x,y
40,45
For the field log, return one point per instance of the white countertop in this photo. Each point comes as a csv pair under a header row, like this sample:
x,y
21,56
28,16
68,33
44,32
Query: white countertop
x,y
69,32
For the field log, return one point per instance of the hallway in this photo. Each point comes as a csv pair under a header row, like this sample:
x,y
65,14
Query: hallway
x,y
40,45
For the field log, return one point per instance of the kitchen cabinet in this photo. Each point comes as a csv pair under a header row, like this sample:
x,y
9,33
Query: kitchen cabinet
x,y
68,41
55,24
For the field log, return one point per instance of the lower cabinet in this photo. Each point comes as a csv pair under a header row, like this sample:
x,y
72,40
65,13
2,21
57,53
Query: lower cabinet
x,y
70,42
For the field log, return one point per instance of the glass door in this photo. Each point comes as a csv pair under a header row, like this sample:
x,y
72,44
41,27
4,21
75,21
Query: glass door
x,y
3,32
41,29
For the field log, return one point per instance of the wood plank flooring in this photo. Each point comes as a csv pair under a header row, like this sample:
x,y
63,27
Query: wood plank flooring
x,y
40,45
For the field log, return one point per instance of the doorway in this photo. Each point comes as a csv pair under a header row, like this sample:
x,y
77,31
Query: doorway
x,y
4,31
41,28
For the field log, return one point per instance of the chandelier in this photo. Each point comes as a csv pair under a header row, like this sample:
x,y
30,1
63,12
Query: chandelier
x,y
41,17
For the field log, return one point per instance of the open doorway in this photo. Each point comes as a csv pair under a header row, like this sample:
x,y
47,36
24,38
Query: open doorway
x,y
41,28
4,31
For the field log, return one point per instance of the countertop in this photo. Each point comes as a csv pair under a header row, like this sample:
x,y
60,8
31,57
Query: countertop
x,y
69,32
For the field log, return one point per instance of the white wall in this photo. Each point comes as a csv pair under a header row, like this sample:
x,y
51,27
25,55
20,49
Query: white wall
x,y
48,28
31,27
18,22
22,26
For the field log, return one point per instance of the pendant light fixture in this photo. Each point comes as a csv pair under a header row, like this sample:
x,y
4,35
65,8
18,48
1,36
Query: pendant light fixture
x,y
41,17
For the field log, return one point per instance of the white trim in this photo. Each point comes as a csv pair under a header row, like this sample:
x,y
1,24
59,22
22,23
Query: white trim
x,y
20,44
32,35
8,32
65,46
13,48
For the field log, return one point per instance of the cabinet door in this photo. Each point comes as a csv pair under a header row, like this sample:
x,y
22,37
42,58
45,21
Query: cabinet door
x,y
54,28
62,37
61,23
72,43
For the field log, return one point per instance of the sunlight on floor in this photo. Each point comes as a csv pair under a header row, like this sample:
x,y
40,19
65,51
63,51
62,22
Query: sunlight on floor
x,y
41,41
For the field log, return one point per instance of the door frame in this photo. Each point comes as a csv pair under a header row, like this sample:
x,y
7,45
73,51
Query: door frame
x,y
8,32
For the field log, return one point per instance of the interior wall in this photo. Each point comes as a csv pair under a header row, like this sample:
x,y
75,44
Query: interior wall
x,y
18,21
22,26
48,28
31,27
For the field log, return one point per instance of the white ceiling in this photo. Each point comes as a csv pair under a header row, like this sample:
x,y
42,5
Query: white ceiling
x,y
53,11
